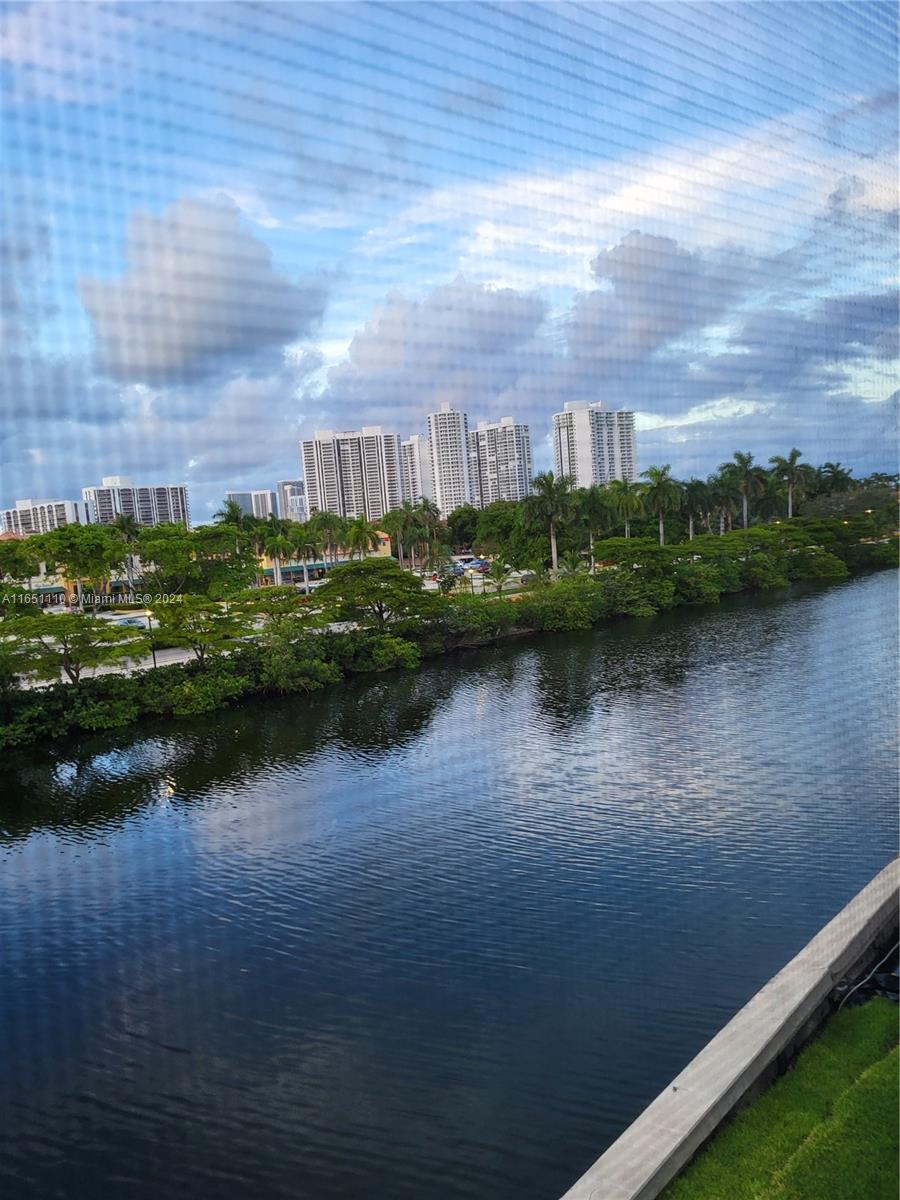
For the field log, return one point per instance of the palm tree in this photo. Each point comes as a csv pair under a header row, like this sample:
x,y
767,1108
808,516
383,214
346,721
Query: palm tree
x,y
429,516
832,477
627,499
393,524
662,494
751,480
795,475
695,502
724,496
572,563
232,514
597,510
128,531
332,529
498,574
361,537
550,502
278,546
306,546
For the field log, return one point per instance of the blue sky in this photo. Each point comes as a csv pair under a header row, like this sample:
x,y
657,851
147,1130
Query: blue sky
x,y
225,226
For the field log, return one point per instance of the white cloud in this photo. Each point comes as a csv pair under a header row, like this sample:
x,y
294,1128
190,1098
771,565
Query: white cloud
x,y
199,292
70,53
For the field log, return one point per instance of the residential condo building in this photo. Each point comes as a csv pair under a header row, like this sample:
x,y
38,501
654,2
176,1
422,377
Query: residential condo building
x,y
416,480
499,461
593,444
38,516
149,505
354,474
260,502
448,432
291,499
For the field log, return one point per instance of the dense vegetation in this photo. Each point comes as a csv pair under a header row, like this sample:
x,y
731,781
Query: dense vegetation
x,y
371,615
826,1128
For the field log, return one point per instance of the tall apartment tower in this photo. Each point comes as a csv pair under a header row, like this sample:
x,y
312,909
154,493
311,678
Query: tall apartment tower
x,y
416,479
593,444
118,496
352,474
499,461
291,499
38,516
448,432
259,502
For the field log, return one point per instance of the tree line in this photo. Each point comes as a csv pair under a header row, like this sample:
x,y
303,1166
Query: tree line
x,y
372,615
556,526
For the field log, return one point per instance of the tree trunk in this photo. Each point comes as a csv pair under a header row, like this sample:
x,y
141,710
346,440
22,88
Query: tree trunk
x,y
305,577
721,522
790,500
745,506
627,528
591,547
553,556
691,527
662,529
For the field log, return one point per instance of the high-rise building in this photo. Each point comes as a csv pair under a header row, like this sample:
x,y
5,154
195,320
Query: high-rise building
x,y
499,461
593,444
448,433
291,499
259,502
118,496
38,516
354,474
416,480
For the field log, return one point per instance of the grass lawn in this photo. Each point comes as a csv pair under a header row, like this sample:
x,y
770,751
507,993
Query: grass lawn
x,y
826,1130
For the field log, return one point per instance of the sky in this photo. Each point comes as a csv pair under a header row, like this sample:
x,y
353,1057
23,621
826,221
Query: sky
x,y
225,226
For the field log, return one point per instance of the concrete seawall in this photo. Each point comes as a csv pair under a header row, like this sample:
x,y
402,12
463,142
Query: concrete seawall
x,y
746,1054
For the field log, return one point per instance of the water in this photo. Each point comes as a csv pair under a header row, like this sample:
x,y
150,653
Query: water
x,y
440,934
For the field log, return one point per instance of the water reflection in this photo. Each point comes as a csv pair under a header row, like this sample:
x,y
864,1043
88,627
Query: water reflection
x,y
354,944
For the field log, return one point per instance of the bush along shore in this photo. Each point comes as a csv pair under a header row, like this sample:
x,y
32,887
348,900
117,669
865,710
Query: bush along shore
x,y
371,615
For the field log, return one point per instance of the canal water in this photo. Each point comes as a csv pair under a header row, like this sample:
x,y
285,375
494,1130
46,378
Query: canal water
x,y
437,934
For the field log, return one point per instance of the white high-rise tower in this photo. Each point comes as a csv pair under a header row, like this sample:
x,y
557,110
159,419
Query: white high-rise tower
x,y
416,481
354,474
593,444
448,434
499,461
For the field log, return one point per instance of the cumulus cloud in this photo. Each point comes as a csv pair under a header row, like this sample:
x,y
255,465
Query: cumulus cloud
x,y
462,343
199,294
655,290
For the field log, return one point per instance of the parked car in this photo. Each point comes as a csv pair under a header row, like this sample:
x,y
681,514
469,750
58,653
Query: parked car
x,y
139,621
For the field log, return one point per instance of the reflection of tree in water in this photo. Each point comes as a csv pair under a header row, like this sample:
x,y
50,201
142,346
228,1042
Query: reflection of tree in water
x,y
375,715
576,675
106,778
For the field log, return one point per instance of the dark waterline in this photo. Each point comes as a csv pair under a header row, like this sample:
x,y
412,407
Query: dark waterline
x,y
440,934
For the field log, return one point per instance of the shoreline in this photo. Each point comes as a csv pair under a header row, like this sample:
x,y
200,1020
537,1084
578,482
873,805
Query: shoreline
x,y
348,655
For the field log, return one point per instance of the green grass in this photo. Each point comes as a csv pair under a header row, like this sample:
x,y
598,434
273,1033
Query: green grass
x,y
827,1130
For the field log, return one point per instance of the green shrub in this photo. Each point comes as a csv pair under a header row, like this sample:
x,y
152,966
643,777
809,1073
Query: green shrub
x,y
697,583
563,607
815,564
296,673
477,618
760,573
624,595
205,692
